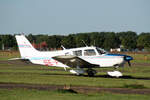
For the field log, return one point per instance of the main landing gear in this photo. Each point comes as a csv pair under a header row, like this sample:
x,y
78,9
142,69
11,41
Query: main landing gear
x,y
91,72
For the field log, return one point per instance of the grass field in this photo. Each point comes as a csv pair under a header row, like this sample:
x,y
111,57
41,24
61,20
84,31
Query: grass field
x,y
5,55
137,77
25,94
35,74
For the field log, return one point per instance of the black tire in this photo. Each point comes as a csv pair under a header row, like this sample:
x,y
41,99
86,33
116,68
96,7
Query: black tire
x,y
91,72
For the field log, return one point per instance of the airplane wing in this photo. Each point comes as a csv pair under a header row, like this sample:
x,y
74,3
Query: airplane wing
x,y
74,61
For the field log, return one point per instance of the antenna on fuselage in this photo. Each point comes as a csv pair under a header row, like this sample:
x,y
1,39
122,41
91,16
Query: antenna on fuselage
x,y
63,47
84,43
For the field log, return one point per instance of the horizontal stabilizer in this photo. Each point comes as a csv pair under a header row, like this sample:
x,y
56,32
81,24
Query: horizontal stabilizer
x,y
22,59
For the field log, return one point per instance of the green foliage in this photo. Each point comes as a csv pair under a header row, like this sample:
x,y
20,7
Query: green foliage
x,y
111,41
41,38
8,41
69,41
31,38
54,41
97,39
80,38
0,44
129,40
143,40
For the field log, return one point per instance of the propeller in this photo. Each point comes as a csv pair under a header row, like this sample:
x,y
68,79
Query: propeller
x,y
128,58
129,63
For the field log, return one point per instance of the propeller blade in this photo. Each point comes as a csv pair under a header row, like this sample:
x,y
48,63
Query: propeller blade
x,y
129,63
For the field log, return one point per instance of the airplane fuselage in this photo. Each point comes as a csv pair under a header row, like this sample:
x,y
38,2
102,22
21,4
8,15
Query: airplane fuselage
x,y
102,60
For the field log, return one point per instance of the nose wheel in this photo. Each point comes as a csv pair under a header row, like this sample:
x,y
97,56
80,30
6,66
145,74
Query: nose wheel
x,y
91,72
116,74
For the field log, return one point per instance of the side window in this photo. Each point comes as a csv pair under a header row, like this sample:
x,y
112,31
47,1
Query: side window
x,y
77,53
89,52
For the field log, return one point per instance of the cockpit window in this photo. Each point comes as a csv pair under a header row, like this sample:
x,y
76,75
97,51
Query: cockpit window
x,y
89,52
77,53
101,51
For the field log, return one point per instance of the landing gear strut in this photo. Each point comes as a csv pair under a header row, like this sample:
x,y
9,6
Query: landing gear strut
x,y
91,72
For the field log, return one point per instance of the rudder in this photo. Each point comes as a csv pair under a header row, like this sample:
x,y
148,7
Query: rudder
x,y
25,47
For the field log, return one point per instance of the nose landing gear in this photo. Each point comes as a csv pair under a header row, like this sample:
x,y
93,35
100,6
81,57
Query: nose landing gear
x,y
115,73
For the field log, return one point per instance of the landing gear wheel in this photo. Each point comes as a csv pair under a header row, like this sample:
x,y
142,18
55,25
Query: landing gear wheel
x,y
79,74
91,72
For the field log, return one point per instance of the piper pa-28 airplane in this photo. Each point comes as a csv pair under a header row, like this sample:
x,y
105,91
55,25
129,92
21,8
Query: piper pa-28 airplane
x,y
81,60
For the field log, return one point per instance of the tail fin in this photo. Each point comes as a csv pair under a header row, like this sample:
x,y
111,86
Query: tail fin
x,y
25,47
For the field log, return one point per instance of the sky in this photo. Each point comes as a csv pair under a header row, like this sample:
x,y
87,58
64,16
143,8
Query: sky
x,y
60,17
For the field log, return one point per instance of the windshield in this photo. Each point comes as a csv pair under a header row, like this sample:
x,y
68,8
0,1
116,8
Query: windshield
x,y
101,51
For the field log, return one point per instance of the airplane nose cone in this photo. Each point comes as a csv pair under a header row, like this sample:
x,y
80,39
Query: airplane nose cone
x,y
128,58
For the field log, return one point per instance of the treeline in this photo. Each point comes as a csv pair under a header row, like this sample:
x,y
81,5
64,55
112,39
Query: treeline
x,y
107,40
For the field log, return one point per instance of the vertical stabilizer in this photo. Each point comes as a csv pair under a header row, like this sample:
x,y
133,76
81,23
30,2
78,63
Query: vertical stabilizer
x,y
25,47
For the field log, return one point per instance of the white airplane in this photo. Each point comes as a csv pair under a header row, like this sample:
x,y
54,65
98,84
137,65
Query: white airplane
x,y
81,60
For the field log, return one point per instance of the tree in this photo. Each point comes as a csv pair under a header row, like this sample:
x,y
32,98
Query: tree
x,y
111,41
143,40
97,39
41,38
0,43
8,41
31,38
54,41
128,39
69,41
81,39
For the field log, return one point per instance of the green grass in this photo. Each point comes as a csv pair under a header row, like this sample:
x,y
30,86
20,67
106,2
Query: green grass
x,y
134,86
25,94
136,77
34,74
31,74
